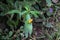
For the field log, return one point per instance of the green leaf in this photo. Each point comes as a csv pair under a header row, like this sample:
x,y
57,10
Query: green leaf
x,y
49,2
18,5
13,11
48,35
10,2
27,5
21,28
10,33
11,23
22,14
49,14
35,13
4,8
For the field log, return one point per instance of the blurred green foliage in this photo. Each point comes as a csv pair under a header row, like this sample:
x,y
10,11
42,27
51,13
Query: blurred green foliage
x,y
27,9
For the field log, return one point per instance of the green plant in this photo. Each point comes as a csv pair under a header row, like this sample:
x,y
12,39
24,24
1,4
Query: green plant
x,y
26,9
16,8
